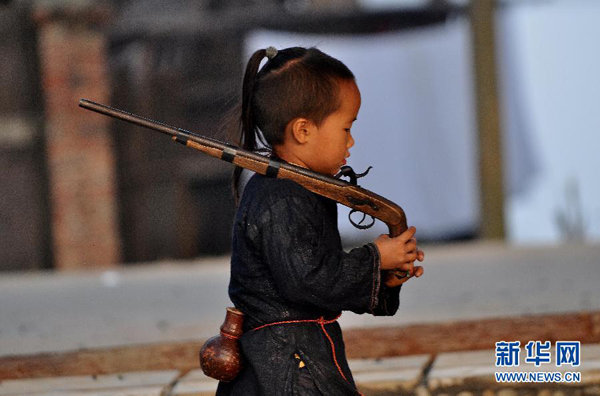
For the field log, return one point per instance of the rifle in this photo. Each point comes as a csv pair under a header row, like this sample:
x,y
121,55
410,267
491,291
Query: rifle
x,y
346,193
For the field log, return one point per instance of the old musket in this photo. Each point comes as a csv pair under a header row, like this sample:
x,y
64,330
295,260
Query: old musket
x,y
348,194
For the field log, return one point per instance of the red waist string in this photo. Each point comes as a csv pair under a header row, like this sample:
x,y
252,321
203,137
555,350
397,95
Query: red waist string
x,y
322,322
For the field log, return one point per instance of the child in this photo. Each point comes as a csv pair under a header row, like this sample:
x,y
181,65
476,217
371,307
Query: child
x,y
289,274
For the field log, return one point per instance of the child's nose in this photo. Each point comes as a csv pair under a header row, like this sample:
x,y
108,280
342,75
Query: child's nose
x,y
350,142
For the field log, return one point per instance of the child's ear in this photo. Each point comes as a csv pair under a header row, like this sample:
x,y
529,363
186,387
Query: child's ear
x,y
301,129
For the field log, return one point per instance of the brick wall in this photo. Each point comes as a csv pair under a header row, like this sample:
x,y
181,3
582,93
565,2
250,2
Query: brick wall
x,y
80,158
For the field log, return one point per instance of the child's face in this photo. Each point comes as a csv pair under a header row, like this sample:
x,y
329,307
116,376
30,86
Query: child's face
x,y
332,140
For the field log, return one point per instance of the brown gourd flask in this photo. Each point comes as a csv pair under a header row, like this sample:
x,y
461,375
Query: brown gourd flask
x,y
220,356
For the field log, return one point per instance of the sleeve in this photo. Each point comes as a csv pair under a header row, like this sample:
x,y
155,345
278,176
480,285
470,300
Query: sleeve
x,y
307,269
388,299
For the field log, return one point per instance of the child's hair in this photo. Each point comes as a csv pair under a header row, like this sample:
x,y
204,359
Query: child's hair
x,y
294,82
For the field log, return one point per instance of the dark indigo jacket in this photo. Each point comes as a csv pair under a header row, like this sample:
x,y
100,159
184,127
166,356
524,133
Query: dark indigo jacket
x,y
288,264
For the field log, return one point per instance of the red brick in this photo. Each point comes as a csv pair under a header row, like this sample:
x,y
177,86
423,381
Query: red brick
x,y
82,166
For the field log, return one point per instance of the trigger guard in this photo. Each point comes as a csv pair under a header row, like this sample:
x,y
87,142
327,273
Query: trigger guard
x,y
359,225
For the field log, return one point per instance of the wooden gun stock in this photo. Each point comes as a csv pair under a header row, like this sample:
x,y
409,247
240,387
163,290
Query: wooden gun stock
x,y
338,190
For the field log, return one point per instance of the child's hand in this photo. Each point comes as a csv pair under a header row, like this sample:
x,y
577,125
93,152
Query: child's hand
x,y
400,253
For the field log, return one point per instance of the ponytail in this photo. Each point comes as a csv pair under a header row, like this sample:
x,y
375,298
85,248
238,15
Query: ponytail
x,y
248,128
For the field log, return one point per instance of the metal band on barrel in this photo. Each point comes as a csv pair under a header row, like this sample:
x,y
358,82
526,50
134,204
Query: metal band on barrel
x,y
228,154
179,138
272,169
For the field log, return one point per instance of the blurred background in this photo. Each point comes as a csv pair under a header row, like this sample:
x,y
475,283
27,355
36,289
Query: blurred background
x,y
479,118
482,129
84,191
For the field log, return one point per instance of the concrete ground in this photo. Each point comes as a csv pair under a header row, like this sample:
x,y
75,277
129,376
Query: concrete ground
x,y
174,301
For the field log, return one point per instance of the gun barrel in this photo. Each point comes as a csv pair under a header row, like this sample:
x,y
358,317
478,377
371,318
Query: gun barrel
x,y
151,124
333,188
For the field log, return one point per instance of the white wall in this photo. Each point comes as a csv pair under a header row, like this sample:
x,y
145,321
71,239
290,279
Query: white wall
x,y
417,123
554,48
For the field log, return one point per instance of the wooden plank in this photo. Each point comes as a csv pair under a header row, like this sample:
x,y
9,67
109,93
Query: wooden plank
x,y
459,370
366,343
181,356
137,391
195,383
436,338
126,383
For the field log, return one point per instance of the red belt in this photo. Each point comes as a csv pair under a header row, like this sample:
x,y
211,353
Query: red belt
x,y
322,322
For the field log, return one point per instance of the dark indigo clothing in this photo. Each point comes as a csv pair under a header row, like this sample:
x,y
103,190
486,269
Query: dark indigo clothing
x,y
288,264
